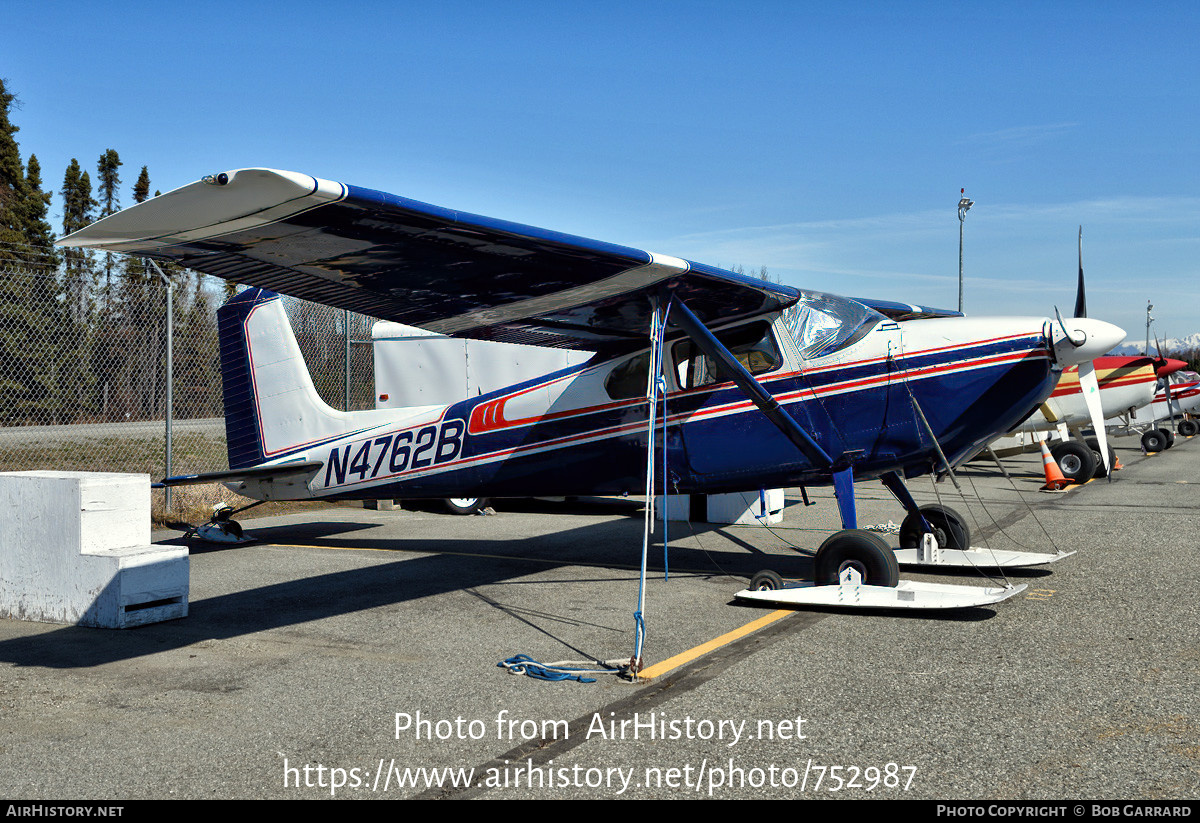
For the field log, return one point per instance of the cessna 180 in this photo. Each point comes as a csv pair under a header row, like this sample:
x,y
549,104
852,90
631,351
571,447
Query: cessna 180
x,y
847,394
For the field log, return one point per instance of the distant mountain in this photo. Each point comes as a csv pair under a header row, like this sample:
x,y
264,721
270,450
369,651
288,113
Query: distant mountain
x,y
1173,344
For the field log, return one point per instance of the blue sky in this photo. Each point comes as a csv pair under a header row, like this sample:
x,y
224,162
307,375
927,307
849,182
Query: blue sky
x,y
825,141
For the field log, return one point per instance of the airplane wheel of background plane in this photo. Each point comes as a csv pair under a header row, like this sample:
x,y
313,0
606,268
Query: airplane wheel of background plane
x,y
1188,428
949,529
1168,436
862,550
1075,460
1094,445
1154,441
766,581
465,505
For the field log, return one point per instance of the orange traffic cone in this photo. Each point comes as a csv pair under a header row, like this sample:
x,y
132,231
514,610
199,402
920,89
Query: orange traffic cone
x,y
1055,481
1116,463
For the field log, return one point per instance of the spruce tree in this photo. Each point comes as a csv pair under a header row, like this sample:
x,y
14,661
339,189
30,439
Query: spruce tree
x,y
14,323
77,205
141,189
139,372
77,284
41,308
14,195
107,188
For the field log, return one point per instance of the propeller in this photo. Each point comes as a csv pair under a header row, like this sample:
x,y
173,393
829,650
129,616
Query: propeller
x,y
1162,361
1080,345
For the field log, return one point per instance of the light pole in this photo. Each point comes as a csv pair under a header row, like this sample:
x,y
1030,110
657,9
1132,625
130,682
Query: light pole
x,y
964,205
1149,320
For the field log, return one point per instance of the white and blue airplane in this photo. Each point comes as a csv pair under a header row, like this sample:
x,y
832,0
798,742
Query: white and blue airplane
x,y
846,393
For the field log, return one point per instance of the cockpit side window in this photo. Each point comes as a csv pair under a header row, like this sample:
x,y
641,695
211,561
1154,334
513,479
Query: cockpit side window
x,y
752,344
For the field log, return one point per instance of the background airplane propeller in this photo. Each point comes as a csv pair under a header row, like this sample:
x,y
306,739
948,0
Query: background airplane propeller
x,y
1172,408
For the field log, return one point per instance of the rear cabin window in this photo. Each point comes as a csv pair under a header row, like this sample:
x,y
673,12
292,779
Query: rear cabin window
x,y
628,379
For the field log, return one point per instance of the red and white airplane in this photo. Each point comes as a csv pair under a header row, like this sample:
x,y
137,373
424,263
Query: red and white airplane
x,y
1176,395
1125,389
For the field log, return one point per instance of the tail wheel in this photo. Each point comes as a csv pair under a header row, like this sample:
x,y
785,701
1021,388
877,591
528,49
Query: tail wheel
x,y
1188,428
863,551
1154,441
466,505
766,581
949,528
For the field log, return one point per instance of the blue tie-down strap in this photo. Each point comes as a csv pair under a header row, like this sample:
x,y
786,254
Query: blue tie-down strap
x,y
524,664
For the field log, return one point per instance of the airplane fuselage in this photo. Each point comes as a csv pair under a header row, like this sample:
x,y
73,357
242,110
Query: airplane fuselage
x,y
583,430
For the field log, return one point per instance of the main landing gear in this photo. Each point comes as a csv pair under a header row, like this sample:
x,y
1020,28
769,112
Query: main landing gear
x,y
857,569
951,544
1156,440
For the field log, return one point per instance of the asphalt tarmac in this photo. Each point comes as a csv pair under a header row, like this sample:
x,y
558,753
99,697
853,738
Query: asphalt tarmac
x,y
353,654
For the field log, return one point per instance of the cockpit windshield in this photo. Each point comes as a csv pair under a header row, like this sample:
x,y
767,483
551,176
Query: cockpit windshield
x,y
824,323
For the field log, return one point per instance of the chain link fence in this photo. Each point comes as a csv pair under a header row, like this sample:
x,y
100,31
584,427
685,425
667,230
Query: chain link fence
x,y
84,377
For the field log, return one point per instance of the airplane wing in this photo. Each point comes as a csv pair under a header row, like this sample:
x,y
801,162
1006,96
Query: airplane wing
x,y
398,259
905,311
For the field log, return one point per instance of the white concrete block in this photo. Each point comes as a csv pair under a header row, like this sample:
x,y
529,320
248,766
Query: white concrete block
x,y
75,548
741,508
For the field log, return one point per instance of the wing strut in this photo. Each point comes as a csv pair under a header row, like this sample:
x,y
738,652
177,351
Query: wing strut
x,y
731,368
736,372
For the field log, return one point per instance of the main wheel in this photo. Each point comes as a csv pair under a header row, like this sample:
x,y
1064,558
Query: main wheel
x,y
1075,461
860,550
950,530
1188,428
766,581
1170,437
465,505
1154,441
1094,445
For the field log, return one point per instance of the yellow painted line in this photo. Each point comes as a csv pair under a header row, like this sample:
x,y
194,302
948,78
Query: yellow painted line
x,y
671,663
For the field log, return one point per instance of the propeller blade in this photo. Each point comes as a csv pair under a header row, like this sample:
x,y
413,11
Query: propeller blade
x,y
1166,378
1080,297
1091,395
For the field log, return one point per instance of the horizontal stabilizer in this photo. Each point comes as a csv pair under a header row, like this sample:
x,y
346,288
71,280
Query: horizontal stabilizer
x,y
281,471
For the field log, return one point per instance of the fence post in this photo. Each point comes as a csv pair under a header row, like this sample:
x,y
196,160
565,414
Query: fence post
x,y
346,328
170,284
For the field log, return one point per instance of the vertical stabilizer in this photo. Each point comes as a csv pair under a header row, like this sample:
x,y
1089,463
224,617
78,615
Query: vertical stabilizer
x,y
271,406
